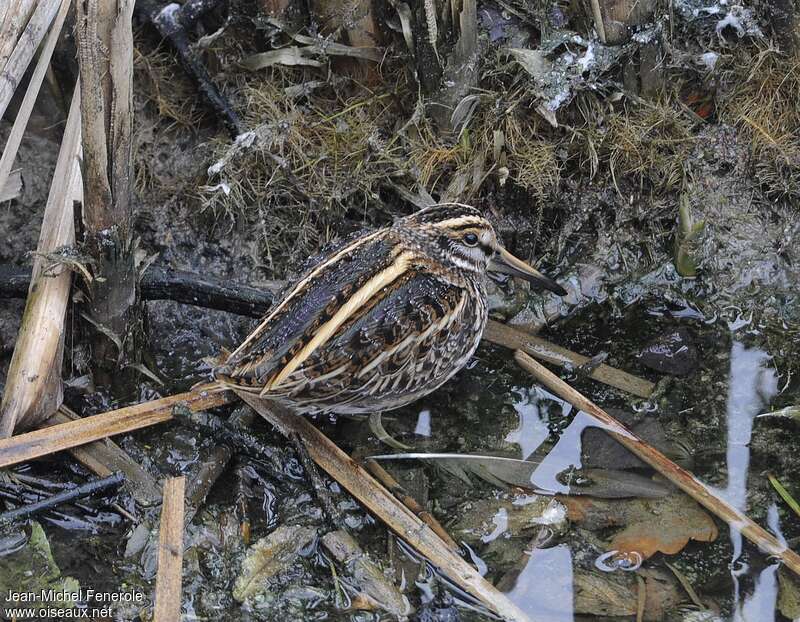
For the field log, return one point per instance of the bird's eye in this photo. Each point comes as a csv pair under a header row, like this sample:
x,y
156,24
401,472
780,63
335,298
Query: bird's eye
x,y
470,239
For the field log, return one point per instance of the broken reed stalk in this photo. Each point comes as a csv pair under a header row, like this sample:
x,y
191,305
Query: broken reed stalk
x,y
13,18
113,310
380,502
658,461
31,93
11,75
57,438
68,496
170,552
105,457
33,389
544,350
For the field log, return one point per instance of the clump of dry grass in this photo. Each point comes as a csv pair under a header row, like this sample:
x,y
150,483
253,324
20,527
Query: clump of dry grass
x,y
763,104
505,145
161,81
304,166
650,143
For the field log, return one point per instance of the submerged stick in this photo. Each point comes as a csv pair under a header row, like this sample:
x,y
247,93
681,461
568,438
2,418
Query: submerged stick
x,y
675,474
542,349
170,552
68,496
50,440
380,502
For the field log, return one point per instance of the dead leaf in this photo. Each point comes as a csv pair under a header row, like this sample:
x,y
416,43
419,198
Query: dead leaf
x,y
788,594
648,526
615,594
268,557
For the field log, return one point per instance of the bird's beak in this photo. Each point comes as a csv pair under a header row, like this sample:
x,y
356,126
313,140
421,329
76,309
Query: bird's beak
x,y
506,263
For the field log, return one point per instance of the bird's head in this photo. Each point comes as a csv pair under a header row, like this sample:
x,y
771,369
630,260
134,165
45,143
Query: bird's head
x,y
460,237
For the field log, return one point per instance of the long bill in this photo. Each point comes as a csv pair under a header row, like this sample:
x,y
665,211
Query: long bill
x,y
505,263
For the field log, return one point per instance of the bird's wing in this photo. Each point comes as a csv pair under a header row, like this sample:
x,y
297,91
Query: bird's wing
x,y
306,307
397,341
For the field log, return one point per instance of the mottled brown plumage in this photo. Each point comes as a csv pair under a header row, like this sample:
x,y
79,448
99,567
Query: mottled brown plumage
x,y
380,321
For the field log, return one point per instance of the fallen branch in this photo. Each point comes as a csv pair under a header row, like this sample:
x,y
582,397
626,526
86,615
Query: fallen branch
x,y
170,552
542,349
57,438
68,496
675,474
162,284
369,492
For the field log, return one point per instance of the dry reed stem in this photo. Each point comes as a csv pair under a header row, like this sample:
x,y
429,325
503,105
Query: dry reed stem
x,y
14,70
658,461
13,19
33,388
544,350
105,457
391,484
34,86
57,438
170,552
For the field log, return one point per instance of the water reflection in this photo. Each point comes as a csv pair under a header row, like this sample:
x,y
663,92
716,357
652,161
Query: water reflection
x,y
751,386
545,567
423,427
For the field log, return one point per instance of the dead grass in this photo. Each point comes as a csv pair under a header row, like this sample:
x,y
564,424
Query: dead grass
x,y
307,165
649,142
506,146
763,104
161,82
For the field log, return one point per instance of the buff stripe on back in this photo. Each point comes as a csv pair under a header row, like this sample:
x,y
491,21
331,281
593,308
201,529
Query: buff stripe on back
x,y
300,287
383,278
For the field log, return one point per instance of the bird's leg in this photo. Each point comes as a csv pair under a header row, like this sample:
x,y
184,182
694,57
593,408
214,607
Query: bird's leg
x,y
323,493
244,491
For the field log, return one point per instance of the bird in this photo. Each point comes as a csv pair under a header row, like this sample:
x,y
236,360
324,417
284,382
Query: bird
x,y
380,320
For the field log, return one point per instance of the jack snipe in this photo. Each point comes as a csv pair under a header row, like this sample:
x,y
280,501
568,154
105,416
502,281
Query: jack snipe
x,y
380,321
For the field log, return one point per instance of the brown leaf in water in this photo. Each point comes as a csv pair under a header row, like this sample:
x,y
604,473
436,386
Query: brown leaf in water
x,y
648,525
615,594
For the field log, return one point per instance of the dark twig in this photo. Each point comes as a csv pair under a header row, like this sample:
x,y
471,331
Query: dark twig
x,y
162,284
79,492
171,23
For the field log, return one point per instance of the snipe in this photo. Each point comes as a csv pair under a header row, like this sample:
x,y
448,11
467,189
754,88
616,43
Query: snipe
x,y
380,321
